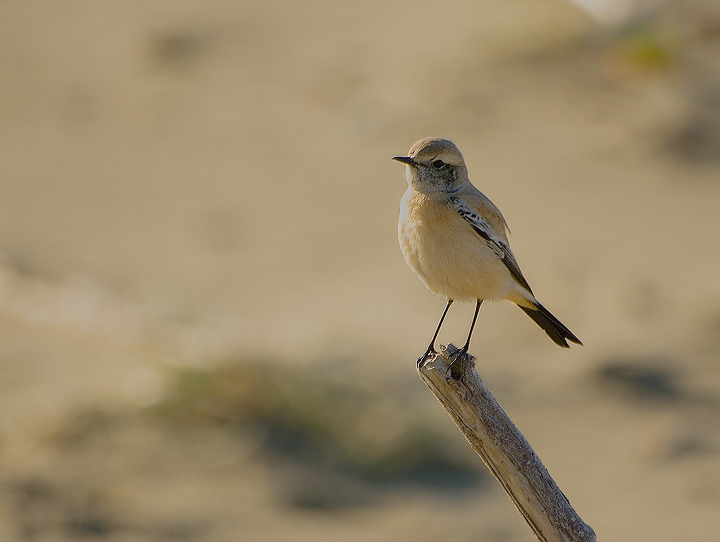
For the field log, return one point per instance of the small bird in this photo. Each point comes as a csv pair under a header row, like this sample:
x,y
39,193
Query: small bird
x,y
455,240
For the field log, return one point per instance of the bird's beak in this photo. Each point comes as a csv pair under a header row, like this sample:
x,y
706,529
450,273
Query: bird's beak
x,y
405,160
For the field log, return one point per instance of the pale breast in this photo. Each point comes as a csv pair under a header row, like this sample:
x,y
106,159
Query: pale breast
x,y
446,254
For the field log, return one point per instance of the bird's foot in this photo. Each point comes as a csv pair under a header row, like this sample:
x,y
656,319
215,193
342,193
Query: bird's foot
x,y
428,353
457,360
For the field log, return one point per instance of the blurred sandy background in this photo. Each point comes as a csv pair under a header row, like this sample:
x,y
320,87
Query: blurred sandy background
x,y
207,330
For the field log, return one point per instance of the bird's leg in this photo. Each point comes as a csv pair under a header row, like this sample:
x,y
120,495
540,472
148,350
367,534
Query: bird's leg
x,y
460,353
431,348
464,349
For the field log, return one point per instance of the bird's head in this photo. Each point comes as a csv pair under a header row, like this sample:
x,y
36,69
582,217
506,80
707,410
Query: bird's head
x,y
434,165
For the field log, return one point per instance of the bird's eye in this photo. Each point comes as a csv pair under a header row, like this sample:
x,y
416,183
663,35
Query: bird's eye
x,y
438,164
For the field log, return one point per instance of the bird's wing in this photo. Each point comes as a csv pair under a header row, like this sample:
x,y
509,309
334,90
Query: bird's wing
x,y
483,228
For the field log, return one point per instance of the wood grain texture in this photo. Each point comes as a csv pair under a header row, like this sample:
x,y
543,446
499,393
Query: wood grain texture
x,y
503,448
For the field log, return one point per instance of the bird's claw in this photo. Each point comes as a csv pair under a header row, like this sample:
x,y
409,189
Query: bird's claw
x,y
455,367
428,353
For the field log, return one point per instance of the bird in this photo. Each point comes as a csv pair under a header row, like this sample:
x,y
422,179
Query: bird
x,y
456,240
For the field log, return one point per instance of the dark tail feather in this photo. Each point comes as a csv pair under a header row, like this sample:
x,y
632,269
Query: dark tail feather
x,y
552,326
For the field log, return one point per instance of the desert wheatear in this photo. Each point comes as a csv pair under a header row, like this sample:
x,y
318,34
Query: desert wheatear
x,y
455,239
